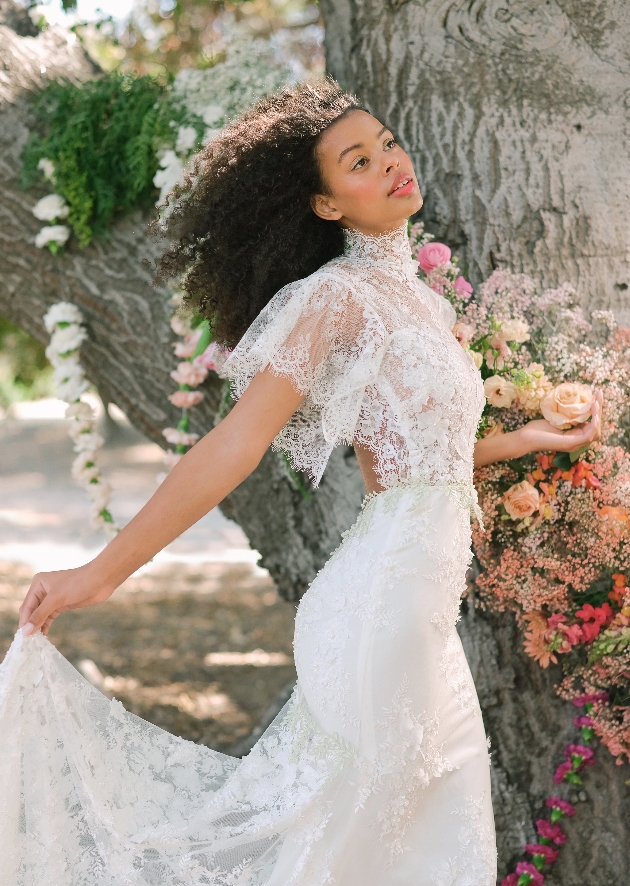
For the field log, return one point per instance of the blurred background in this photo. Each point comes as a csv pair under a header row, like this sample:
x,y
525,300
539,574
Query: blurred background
x,y
198,641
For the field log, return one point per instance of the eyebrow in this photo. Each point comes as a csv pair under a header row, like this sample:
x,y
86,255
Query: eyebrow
x,y
360,145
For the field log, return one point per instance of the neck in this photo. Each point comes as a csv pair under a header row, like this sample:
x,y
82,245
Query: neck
x,y
390,247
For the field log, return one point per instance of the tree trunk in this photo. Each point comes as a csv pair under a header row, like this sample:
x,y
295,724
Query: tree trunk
x,y
516,115
489,159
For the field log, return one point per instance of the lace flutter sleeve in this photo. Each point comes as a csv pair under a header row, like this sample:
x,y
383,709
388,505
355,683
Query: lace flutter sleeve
x,y
330,345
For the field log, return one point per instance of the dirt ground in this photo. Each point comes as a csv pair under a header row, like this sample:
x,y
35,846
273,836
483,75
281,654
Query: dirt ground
x,y
199,643
147,645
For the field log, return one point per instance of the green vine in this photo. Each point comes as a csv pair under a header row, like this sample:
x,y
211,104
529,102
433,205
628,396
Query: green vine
x,y
102,137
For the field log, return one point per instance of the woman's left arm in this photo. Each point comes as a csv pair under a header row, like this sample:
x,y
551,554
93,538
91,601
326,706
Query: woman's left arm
x,y
539,436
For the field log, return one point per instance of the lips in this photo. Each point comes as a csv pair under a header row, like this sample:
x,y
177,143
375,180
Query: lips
x,y
402,185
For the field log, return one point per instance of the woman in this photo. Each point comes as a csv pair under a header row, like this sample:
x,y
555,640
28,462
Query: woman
x,y
376,771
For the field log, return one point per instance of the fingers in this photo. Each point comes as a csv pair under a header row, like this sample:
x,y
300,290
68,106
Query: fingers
x,y
37,606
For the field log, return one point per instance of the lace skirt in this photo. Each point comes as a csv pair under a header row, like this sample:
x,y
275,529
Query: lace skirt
x,y
375,773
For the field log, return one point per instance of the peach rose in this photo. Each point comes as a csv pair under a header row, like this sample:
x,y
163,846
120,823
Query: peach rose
x,y
521,500
499,391
463,332
567,405
493,429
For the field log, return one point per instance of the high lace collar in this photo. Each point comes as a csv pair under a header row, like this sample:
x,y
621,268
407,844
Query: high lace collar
x,y
391,248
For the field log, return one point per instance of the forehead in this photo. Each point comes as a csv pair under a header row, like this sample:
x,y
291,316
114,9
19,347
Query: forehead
x,y
355,127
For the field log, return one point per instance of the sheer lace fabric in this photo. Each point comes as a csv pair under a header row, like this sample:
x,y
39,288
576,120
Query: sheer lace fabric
x,y
371,347
376,772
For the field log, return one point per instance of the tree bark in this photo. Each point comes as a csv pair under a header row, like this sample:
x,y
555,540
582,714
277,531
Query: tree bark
x,y
516,116
509,181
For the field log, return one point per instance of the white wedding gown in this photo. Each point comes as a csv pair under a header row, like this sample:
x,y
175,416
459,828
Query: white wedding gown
x,y
376,772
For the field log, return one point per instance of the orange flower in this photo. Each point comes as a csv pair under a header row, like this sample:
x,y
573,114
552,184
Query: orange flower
x,y
521,500
535,643
616,515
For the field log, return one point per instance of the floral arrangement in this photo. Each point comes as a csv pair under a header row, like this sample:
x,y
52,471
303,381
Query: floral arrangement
x,y
64,322
556,545
551,837
198,355
142,130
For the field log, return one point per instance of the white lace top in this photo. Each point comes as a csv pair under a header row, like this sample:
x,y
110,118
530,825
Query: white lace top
x,y
371,347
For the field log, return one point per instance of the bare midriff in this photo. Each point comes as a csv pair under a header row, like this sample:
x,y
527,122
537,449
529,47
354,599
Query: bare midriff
x,y
367,459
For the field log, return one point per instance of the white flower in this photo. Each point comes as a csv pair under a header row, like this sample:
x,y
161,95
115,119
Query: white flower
x,y
47,167
52,234
212,114
89,442
100,493
80,427
72,389
62,312
477,358
81,462
169,175
51,207
86,475
186,138
66,370
69,338
80,410
515,330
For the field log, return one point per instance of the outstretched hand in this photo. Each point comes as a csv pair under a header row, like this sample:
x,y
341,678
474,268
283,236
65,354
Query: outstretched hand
x,y
541,436
52,593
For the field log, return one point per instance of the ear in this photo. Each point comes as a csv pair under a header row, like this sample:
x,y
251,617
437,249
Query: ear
x,y
325,208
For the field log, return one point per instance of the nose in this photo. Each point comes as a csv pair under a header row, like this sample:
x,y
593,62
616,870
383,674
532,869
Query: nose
x,y
391,164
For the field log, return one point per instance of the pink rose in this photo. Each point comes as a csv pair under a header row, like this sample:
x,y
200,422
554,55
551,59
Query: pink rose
x,y
432,255
521,500
462,287
186,399
189,374
213,357
567,405
179,438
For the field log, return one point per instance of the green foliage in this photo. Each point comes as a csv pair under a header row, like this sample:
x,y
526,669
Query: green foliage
x,y
102,137
25,373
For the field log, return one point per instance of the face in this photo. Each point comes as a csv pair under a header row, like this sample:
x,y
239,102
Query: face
x,y
371,184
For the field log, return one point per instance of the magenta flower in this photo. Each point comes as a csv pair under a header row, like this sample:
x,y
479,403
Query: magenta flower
x,y
561,805
524,867
510,880
462,287
581,700
546,853
432,255
551,831
582,721
562,771
580,750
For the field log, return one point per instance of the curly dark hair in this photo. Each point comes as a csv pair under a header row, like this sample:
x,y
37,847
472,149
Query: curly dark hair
x,y
241,221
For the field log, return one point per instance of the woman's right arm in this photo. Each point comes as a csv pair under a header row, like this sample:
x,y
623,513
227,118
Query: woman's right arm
x,y
202,478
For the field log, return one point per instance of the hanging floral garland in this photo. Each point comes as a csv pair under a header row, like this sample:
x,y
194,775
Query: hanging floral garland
x,y
64,322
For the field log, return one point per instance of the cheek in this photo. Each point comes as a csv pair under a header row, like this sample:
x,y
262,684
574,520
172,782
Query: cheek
x,y
363,189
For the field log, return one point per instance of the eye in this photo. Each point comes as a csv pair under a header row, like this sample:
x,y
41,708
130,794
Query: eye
x,y
390,143
359,163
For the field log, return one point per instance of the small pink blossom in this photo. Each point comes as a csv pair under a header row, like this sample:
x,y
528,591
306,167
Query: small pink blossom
x,y
179,438
431,255
214,357
581,751
462,287
561,805
463,332
189,374
582,721
186,399
551,831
